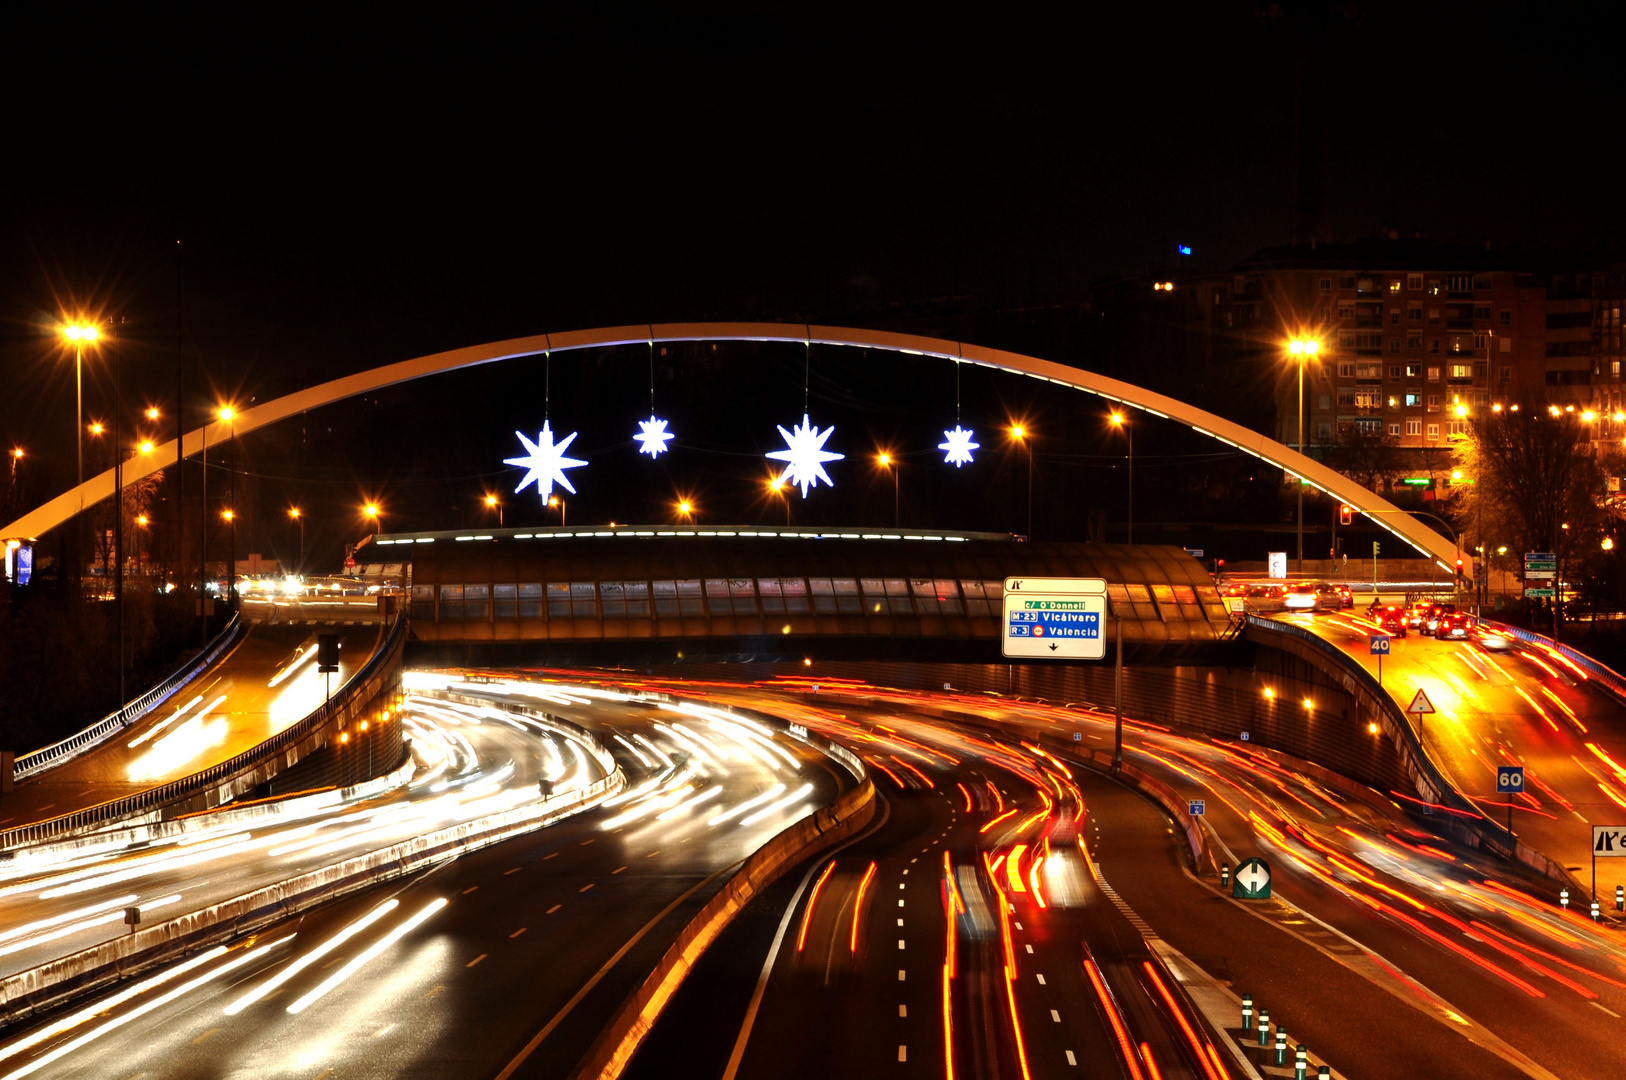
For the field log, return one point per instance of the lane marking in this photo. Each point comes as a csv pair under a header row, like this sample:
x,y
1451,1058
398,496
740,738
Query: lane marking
x,y
515,870
652,854
517,933
1055,1017
476,960
900,943
470,889
433,992
584,888
383,1031
903,1052
552,909
900,975
1036,975
1030,949
205,1035
617,870
1071,1060
584,843
1616,1015
549,855
903,1010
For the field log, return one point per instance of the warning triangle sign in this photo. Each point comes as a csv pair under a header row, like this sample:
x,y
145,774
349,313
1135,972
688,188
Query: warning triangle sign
x,y
1420,703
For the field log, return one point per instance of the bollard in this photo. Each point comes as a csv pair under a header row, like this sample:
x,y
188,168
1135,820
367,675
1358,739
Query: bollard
x,y
1596,911
1564,899
1264,1027
1247,1012
1620,897
1323,1072
1225,875
1281,1047
1301,1061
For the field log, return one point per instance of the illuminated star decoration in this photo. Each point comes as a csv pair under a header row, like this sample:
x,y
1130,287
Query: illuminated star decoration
x,y
545,461
805,455
959,446
653,435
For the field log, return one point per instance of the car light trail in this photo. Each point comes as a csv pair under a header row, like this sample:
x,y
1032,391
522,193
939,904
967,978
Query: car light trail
x,y
858,905
1151,1062
144,1008
86,924
134,869
772,808
894,776
174,716
995,821
311,957
689,804
301,658
1013,869
369,953
812,898
1198,1046
1110,1007
749,804
967,795
924,779
68,916
1033,880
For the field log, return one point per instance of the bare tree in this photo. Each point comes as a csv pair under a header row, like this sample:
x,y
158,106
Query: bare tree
x,y
1367,457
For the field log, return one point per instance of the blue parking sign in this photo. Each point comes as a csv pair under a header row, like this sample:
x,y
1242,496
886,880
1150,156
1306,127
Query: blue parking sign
x,y
1509,779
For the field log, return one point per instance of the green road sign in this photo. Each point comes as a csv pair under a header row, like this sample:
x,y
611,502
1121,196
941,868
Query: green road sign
x,y
1252,880
1542,594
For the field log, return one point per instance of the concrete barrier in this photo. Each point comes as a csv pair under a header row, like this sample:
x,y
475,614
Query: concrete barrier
x,y
614,1047
51,984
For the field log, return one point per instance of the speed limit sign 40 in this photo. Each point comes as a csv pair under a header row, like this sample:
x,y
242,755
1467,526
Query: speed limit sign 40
x,y
1509,779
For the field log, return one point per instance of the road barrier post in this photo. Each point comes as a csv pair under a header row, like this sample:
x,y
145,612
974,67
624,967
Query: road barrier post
x,y
1281,1047
1247,1012
1225,875
1564,898
1323,1072
1301,1061
1620,897
1264,1027
1596,911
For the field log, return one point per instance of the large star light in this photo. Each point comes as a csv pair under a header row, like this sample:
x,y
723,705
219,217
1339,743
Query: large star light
x,y
958,449
545,461
653,436
805,455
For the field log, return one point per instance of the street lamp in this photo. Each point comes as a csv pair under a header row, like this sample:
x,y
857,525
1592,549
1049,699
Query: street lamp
x,y
80,334
293,512
494,503
685,509
889,463
371,511
229,516
1022,435
1121,420
16,456
776,487
556,500
1303,351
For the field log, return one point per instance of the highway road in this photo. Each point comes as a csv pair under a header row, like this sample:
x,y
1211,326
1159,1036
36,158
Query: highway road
x,y
506,961
264,683
1525,706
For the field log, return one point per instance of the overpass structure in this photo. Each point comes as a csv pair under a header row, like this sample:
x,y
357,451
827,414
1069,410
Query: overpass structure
x,y
1384,513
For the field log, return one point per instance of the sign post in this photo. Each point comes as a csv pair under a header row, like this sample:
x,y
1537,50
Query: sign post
x,y
1379,644
1420,707
1608,842
1509,782
1063,619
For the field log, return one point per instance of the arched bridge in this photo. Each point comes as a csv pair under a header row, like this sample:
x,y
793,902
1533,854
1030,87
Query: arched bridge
x,y
1380,510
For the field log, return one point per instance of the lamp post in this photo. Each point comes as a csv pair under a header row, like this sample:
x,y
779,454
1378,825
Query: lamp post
x,y
229,415
776,487
79,334
1302,350
1121,420
494,503
371,511
294,513
16,456
1025,437
685,510
557,500
890,464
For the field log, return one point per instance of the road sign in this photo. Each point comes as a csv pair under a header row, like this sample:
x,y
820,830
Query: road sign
x,y
1379,644
1540,565
1509,779
1252,880
1195,553
349,563
1057,618
1276,563
1420,703
1608,842
1196,807
1539,594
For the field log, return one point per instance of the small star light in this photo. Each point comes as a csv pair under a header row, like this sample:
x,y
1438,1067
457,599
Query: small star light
x,y
805,455
653,435
959,446
545,461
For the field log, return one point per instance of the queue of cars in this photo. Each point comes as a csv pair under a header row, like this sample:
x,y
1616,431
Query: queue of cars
x,y
1437,620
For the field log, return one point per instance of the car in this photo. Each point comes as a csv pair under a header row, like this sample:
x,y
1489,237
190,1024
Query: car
x,y
1454,626
1264,599
1348,597
1329,598
1300,597
1436,612
1393,619
1491,638
1417,615
1235,588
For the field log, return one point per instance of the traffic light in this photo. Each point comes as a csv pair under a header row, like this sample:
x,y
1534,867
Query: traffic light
x,y
1459,567
1346,514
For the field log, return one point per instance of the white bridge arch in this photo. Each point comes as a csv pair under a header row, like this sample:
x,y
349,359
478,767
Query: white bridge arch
x,y
1390,517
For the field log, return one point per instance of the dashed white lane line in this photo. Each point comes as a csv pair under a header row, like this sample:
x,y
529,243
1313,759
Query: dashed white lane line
x,y
900,943
1071,1060
903,1053
903,1010
900,903
900,975
1036,975
1030,949
1055,1017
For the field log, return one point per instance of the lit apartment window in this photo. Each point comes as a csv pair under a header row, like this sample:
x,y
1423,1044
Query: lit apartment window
x,y
1434,286
1413,400
1433,433
1462,371
1394,286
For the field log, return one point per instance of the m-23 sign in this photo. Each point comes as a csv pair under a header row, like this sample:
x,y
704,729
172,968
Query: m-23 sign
x,y
1608,842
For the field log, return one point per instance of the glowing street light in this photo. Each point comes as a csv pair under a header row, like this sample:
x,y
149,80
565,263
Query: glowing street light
x,y
1022,435
146,446
96,427
685,509
776,487
142,520
1303,351
152,412
1608,543
558,501
886,461
80,335
294,512
1120,419
494,503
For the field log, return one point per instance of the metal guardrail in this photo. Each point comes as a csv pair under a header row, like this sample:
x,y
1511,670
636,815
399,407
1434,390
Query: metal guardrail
x,y
366,681
1606,676
47,757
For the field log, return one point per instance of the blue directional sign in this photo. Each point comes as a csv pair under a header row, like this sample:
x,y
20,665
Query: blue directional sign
x,y
1509,779
1196,807
1044,623
1380,644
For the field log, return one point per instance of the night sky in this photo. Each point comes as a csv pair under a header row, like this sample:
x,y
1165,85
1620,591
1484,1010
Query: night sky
x,y
350,190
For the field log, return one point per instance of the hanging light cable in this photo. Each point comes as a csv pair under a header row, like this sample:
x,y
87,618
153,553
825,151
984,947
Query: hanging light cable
x,y
957,449
652,435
